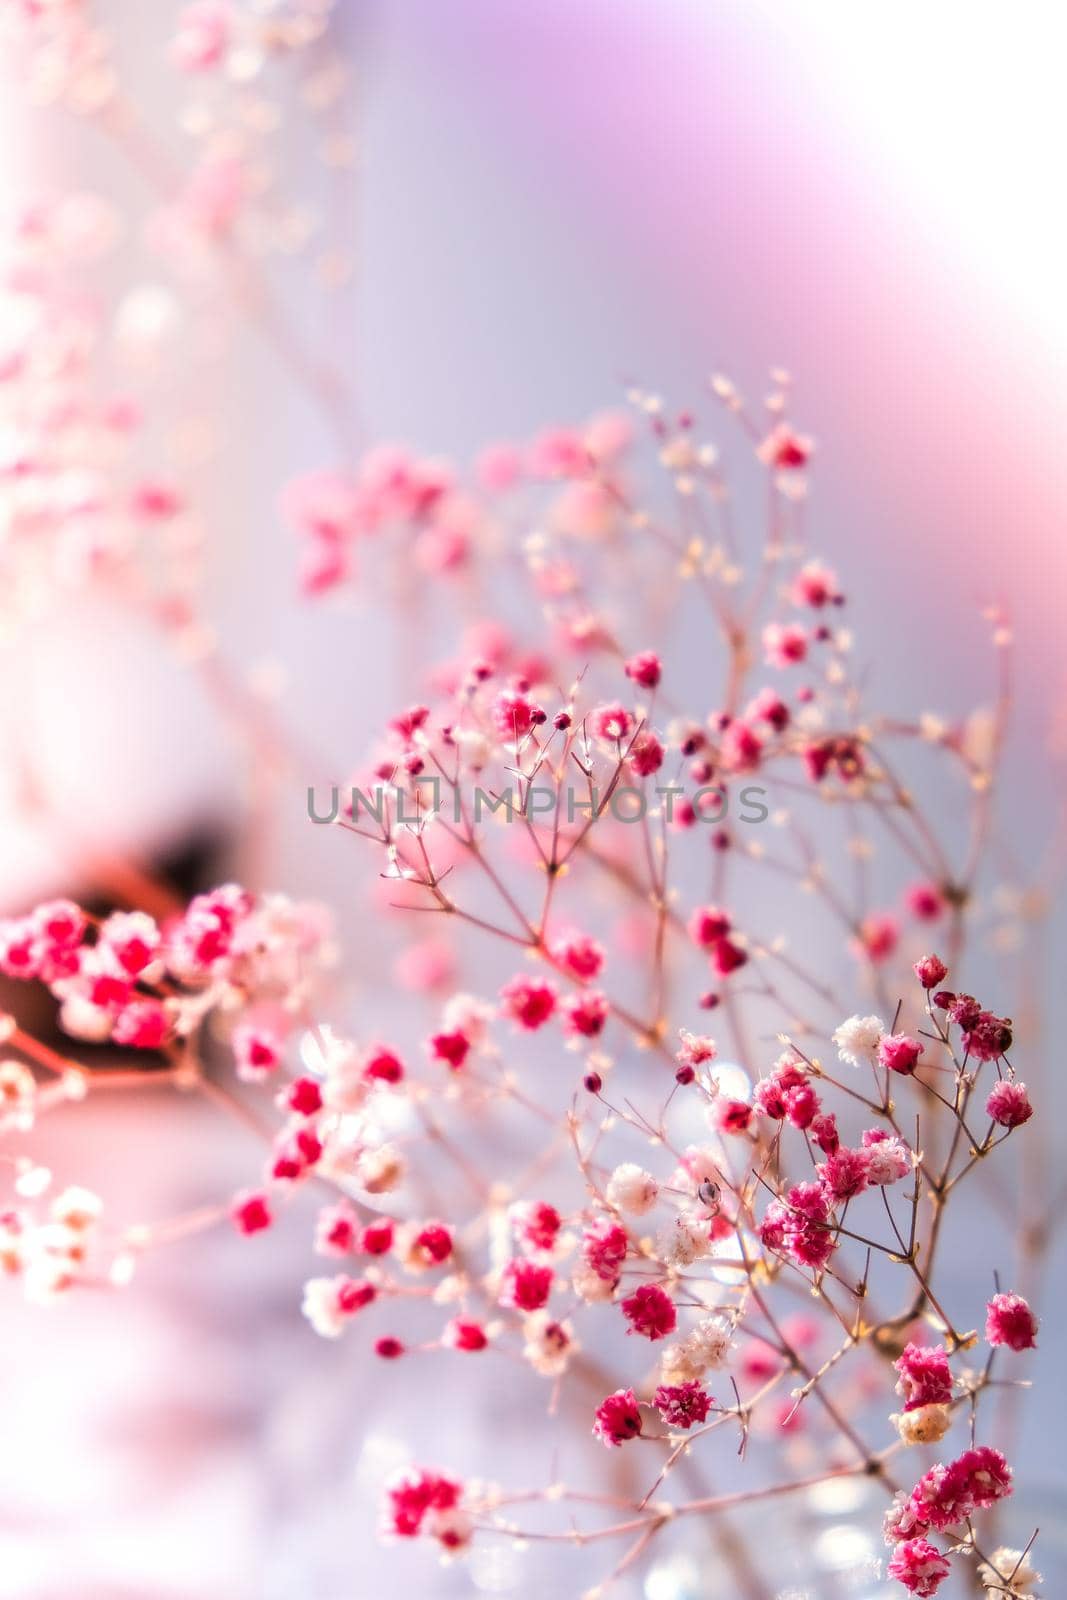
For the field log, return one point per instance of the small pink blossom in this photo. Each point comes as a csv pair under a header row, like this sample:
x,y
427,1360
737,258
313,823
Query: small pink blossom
x,y
525,1285
529,1002
251,1213
618,1418
785,644
645,669
682,1404
919,1566
650,1311
1008,1104
899,1053
612,723
925,1376
1010,1322
845,1174
930,971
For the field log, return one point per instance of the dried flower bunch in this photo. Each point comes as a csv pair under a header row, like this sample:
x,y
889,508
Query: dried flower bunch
x,y
687,1104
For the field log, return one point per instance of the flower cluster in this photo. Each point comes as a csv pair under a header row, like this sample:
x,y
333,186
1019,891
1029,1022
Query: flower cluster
x,y
573,807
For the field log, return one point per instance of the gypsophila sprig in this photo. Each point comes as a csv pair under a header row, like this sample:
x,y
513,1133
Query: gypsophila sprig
x,y
677,1104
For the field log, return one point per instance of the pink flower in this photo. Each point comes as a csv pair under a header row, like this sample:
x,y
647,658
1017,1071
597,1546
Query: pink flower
x,y
843,756
645,669
514,714
377,1237
814,585
202,37
845,1174
945,1496
21,949
785,449
878,937
707,925
732,1116
1009,1321
925,1376
604,1247
429,1246
142,1025
536,1224
727,957
930,971
383,1066
682,1404
925,901
801,1105
899,1052
525,1286
584,1015
411,1494
618,1418
529,1002
824,1132
577,954
784,644
251,1213
645,754
650,1311
612,723
337,1230
559,453
329,1303
889,1158
302,1096
740,749
919,1566
1008,1104
295,1154
463,1334
986,1037
799,1226
451,1047
768,706
131,940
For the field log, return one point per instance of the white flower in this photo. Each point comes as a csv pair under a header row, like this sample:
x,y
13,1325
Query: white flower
x,y
590,1286
549,1344
708,1345
452,1528
630,1188
680,1364
76,1208
46,1276
857,1039
923,1425
378,1171
18,1092
322,1306
682,1242
82,1020
345,1088
712,1340
1009,1572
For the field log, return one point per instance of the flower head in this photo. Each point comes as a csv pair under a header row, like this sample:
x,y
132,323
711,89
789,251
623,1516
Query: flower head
x,y
618,1418
1009,1321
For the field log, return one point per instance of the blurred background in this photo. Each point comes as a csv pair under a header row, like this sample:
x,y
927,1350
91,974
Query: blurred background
x,y
531,208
